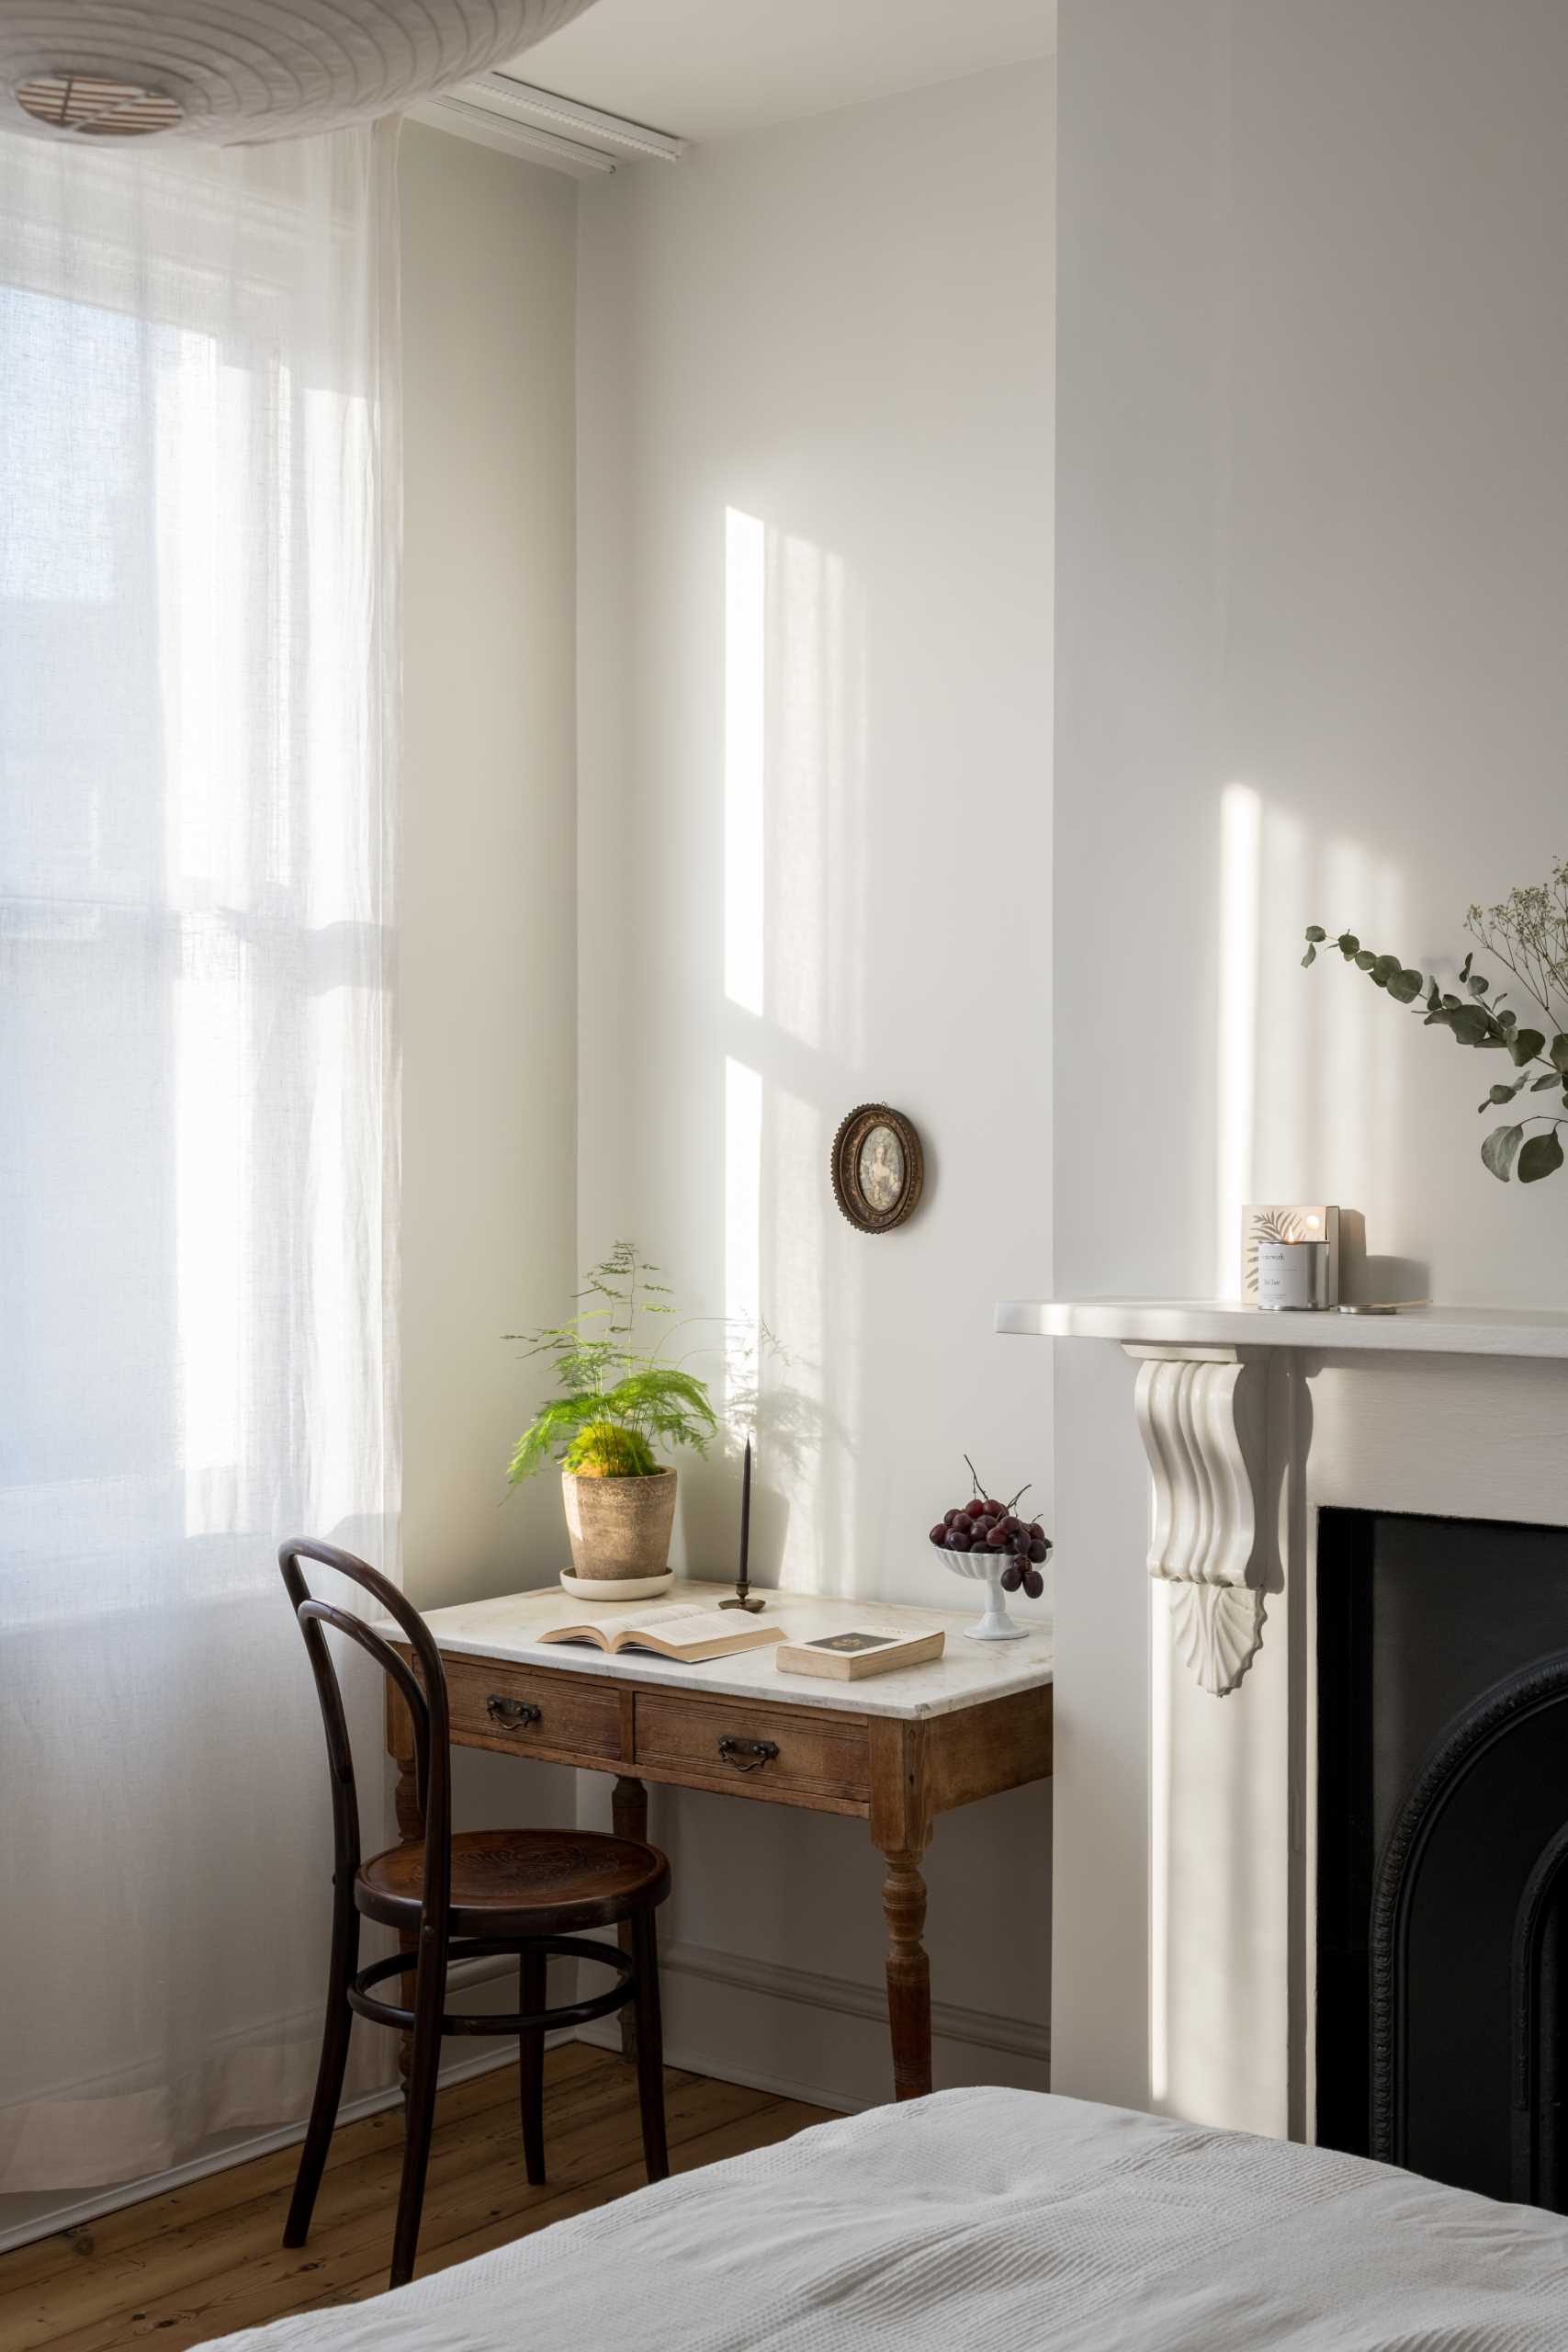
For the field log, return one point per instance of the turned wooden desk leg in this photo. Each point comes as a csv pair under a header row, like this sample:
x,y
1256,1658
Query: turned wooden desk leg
x,y
901,1827
908,1976
628,1818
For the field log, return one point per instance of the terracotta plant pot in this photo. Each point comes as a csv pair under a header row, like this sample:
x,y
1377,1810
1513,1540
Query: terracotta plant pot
x,y
619,1527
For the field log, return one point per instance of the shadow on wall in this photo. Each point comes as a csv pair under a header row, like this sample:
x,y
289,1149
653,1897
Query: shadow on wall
x,y
1308,1100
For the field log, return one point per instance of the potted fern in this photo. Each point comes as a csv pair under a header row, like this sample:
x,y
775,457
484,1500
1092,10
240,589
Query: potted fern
x,y
615,1400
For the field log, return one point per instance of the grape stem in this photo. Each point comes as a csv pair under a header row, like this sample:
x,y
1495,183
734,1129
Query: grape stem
x,y
984,1491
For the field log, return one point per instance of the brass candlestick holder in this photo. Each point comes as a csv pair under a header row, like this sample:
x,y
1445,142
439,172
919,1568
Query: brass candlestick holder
x,y
744,1595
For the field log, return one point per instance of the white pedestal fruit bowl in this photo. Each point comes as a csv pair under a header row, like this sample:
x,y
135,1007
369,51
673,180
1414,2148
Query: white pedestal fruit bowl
x,y
986,1567
987,1542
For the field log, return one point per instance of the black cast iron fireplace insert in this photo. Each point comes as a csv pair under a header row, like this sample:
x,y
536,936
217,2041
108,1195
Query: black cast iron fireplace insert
x,y
1443,1848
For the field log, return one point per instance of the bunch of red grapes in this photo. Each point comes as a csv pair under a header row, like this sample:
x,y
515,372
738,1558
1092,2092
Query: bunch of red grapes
x,y
980,1525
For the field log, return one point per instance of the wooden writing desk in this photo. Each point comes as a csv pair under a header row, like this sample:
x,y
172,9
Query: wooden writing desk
x,y
897,1750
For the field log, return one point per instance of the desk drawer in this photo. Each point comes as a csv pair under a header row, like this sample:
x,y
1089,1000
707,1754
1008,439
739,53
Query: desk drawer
x,y
718,1740
576,1717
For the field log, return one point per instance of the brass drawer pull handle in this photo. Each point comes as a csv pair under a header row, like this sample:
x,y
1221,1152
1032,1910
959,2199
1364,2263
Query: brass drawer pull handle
x,y
748,1755
512,1714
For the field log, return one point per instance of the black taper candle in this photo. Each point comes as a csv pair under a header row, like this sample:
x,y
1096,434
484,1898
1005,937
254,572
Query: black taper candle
x,y
743,1594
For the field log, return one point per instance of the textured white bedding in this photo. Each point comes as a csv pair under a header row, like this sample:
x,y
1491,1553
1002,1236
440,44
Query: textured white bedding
x,y
1001,2221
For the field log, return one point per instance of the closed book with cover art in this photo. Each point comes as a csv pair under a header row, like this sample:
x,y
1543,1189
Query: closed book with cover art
x,y
849,1658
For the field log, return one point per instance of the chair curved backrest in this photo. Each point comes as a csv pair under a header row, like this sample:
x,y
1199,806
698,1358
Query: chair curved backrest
x,y
424,1693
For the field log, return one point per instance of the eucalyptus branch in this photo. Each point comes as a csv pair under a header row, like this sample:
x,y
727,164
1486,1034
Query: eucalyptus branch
x,y
1527,929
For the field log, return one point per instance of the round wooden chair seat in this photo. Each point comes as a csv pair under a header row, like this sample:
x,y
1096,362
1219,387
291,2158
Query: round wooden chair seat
x,y
520,1882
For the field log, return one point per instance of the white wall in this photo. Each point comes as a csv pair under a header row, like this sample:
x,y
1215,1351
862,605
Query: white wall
x,y
815,490
1313,550
488,863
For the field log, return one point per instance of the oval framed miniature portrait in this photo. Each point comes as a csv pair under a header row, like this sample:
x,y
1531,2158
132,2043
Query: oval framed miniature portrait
x,y
878,1168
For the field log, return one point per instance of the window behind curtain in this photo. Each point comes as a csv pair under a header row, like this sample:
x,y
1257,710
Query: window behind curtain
x,y
198,1131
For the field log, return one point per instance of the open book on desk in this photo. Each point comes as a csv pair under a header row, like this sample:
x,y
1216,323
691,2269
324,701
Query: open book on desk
x,y
684,1631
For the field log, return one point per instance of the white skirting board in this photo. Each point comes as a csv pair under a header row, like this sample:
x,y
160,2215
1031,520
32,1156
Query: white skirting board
x,y
822,2038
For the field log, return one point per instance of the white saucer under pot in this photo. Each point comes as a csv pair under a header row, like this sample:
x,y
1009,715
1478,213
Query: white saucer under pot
x,y
614,1588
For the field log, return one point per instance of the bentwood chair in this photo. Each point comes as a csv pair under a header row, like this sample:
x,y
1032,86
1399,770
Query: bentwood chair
x,y
482,1892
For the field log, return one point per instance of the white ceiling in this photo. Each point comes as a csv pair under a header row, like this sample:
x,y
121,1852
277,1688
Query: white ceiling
x,y
709,68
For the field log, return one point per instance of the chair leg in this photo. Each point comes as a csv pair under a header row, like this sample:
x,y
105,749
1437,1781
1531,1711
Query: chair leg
x,y
429,2000
330,2071
649,2046
531,2061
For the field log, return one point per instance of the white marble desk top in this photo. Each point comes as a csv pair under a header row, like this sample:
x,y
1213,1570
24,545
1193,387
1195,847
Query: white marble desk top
x,y
967,1673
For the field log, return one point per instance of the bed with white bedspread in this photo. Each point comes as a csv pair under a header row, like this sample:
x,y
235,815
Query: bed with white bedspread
x,y
998,2220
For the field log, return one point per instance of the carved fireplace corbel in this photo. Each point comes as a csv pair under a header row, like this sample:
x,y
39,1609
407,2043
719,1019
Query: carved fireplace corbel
x,y
1201,1417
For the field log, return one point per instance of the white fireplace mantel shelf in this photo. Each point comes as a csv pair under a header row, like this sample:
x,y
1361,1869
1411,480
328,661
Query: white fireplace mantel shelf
x,y
1224,1323
1201,1416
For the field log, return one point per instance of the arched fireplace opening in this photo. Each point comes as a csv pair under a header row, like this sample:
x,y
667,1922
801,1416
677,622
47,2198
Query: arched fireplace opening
x,y
1443,1848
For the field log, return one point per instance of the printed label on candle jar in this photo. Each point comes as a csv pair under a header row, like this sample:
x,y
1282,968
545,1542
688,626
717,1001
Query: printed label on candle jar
x,y
1285,1273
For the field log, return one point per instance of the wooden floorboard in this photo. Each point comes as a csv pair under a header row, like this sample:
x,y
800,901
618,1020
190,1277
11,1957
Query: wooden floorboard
x,y
208,2260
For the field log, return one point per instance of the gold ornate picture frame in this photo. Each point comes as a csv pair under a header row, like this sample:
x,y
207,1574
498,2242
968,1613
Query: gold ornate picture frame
x,y
878,1168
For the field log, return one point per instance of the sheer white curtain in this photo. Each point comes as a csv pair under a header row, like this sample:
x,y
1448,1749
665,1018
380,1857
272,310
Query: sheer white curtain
x,y
198,524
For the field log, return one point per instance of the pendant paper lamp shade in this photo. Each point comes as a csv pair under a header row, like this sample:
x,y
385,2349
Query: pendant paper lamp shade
x,y
222,70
